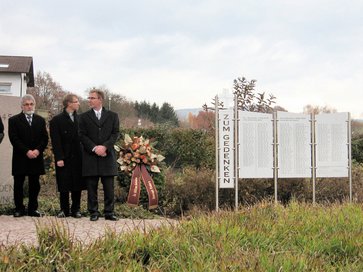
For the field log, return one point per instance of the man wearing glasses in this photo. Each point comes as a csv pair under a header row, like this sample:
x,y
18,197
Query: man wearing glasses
x,y
29,137
99,131
67,155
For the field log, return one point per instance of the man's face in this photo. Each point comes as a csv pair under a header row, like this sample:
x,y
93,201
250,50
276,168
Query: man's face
x,y
74,105
28,106
94,101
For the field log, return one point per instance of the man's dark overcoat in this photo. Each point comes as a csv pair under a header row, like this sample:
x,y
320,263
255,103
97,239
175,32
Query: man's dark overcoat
x,y
24,137
1,130
95,132
67,147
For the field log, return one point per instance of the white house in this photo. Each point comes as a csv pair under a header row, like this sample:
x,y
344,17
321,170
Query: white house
x,y
16,74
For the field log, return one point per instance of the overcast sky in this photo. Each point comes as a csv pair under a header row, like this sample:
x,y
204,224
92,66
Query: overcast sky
x,y
185,52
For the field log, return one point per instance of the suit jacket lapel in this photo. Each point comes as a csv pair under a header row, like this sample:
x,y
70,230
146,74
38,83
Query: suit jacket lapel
x,y
23,118
104,115
92,115
35,120
75,115
67,117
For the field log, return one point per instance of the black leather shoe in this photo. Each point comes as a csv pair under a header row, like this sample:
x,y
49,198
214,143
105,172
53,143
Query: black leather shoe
x,y
62,214
35,214
18,214
94,217
111,217
76,214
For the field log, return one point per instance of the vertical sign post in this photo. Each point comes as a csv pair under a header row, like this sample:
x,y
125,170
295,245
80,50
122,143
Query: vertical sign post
x,y
236,148
313,148
275,154
226,149
350,157
217,151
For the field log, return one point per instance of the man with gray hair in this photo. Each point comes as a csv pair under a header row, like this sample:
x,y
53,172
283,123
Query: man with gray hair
x,y
29,137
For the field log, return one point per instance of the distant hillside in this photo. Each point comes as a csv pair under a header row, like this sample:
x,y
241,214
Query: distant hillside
x,y
183,113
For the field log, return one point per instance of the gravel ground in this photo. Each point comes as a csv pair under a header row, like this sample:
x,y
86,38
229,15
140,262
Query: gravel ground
x,y
22,230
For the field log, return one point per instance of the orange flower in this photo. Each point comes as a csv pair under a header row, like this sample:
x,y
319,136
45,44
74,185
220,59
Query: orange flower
x,y
134,146
137,150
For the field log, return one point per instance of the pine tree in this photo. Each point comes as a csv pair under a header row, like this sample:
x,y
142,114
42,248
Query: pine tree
x,y
168,115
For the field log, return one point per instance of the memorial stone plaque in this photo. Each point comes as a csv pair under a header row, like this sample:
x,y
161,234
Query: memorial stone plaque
x,y
255,138
331,145
9,106
294,145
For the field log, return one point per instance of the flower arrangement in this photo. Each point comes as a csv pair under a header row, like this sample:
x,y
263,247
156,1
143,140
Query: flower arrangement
x,y
137,150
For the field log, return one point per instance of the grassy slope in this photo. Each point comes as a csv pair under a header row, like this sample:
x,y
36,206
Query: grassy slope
x,y
265,237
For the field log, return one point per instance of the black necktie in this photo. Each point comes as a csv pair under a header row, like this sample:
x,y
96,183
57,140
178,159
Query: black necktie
x,y
29,117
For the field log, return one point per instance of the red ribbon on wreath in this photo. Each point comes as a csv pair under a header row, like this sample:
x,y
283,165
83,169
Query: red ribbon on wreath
x,y
140,172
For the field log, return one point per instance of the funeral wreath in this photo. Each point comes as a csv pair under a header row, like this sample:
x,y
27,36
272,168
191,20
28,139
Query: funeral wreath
x,y
139,160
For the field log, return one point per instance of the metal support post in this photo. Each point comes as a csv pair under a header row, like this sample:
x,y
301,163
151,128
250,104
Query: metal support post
x,y
350,158
217,150
313,157
236,150
275,153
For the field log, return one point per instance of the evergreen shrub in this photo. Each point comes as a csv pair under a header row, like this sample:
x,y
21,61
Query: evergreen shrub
x,y
357,149
181,147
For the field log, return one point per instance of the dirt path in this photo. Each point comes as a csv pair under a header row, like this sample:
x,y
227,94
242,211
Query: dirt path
x,y
16,231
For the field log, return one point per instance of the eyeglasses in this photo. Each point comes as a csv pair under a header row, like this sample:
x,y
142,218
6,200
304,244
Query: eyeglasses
x,y
92,98
75,102
28,104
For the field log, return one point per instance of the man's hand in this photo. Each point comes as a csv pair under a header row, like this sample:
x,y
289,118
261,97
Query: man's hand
x,y
36,152
100,150
60,163
30,154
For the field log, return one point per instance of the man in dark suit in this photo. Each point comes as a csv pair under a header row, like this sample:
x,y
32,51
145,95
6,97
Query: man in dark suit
x,y
67,155
1,130
99,131
29,137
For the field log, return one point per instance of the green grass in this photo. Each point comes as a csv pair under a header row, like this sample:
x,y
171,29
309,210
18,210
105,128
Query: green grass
x,y
264,237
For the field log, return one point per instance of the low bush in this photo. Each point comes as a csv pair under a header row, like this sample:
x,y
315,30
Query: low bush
x,y
194,188
188,189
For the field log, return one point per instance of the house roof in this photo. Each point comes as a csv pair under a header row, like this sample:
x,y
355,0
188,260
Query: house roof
x,y
18,64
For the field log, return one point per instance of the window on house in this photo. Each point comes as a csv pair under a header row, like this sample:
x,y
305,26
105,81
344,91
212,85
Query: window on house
x,y
5,87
